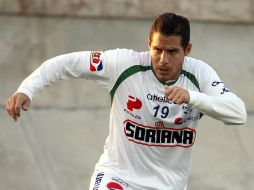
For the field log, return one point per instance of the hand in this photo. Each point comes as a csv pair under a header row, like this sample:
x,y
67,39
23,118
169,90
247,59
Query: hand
x,y
15,103
177,94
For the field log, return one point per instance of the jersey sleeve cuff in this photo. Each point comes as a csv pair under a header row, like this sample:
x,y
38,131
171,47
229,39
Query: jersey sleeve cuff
x,y
26,92
194,97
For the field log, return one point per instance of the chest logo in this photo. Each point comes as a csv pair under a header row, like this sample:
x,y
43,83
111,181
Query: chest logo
x,y
133,103
162,137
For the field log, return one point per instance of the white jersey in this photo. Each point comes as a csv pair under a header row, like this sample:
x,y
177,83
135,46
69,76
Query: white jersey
x,y
150,138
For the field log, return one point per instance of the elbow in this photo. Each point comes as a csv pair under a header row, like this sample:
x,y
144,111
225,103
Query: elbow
x,y
243,117
242,113
240,116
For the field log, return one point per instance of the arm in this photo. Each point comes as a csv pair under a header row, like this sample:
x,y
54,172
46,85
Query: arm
x,y
214,98
227,108
74,65
52,70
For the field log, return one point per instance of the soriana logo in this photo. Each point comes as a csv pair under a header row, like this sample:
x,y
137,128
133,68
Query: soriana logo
x,y
95,61
163,137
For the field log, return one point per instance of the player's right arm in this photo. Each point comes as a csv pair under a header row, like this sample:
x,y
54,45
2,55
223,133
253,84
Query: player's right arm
x,y
86,64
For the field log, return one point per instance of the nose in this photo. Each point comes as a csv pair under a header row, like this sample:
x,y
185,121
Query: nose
x,y
165,57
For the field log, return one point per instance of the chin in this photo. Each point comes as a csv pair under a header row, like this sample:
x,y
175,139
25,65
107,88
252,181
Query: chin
x,y
163,79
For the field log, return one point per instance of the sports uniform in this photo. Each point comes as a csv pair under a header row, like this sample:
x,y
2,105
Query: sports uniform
x,y
150,138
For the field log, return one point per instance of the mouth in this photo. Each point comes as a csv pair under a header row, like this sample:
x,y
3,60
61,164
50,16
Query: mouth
x,y
163,70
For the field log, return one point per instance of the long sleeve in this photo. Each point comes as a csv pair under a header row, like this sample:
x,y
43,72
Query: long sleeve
x,y
97,66
55,69
227,108
214,98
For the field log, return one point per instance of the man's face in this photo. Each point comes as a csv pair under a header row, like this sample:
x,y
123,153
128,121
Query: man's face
x,y
167,56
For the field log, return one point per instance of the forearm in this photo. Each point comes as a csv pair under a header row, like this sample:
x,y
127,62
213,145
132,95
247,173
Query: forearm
x,y
227,108
55,69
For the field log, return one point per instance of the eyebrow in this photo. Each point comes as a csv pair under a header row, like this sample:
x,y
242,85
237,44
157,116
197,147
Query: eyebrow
x,y
170,49
173,49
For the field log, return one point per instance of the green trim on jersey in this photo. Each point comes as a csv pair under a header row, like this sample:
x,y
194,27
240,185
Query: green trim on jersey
x,y
191,77
128,72
166,83
137,68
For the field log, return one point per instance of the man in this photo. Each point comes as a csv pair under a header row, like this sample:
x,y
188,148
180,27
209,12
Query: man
x,y
157,99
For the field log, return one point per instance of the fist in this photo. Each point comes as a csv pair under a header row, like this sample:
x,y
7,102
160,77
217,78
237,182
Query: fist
x,y
177,94
15,103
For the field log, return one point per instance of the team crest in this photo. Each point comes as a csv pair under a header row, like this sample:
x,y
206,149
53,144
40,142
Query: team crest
x,y
95,61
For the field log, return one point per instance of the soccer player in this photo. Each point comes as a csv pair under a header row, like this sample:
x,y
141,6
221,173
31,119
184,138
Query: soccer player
x,y
157,97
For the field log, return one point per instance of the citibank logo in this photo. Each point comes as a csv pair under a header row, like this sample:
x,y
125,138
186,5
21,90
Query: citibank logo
x,y
133,103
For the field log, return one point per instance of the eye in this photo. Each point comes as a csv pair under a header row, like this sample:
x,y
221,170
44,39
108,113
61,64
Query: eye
x,y
173,51
157,50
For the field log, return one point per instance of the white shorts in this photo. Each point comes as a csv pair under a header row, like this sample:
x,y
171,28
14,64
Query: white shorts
x,y
103,181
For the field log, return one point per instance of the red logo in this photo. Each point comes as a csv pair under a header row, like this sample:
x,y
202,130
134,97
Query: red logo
x,y
178,120
133,103
159,125
114,186
95,61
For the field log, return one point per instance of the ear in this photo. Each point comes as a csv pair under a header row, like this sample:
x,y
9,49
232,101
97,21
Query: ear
x,y
149,42
187,50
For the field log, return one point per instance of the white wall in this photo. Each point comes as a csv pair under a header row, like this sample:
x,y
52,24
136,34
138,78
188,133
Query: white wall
x,y
56,144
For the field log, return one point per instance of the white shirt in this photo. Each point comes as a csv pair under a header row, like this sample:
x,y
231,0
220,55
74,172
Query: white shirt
x,y
150,139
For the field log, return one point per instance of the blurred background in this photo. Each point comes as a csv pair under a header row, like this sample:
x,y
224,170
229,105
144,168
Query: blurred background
x,y
55,145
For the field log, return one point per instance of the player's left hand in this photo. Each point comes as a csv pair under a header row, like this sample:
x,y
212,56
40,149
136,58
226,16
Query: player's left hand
x,y
177,94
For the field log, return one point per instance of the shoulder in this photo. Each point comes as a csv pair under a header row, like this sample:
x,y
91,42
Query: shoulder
x,y
196,66
128,57
203,73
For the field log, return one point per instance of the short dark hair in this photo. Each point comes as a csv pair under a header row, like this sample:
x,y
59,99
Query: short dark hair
x,y
172,24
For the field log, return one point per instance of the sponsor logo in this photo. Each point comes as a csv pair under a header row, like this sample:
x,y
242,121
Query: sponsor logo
x,y
114,186
164,137
133,103
180,120
159,125
132,114
120,181
187,108
224,87
157,98
95,61
98,181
